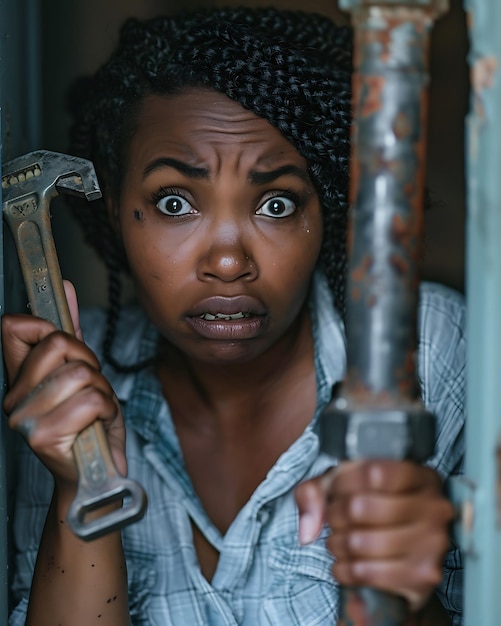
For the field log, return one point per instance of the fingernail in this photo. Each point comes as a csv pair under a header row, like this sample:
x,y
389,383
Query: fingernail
x,y
307,528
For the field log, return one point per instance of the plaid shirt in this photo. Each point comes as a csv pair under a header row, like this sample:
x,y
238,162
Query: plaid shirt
x,y
263,577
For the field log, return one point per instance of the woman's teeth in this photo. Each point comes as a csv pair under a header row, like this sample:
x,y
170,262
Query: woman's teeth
x,y
221,316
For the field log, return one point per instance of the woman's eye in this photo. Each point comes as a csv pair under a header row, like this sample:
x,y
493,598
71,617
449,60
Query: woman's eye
x,y
277,207
174,205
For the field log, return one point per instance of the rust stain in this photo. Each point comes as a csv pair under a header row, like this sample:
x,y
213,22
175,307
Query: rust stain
x,y
401,125
383,39
361,397
406,376
371,103
400,264
410,189
359,273
406,232
371,300
399,228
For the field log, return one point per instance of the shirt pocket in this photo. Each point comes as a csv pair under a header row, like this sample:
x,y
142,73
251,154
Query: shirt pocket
x,y
142,577
303,591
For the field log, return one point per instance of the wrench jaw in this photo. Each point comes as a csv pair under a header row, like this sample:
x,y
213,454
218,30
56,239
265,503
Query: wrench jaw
x,y
42,169
76,185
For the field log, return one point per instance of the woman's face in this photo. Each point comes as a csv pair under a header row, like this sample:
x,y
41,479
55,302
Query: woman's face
x,y
221,225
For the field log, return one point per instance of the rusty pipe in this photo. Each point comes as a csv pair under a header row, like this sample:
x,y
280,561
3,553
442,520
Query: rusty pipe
x,y
377,412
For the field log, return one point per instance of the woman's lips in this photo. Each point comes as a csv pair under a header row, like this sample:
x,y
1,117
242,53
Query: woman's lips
x,y
228,318
232,330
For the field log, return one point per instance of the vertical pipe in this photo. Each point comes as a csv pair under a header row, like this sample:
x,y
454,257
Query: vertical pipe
x,y
387,186
483,290
378,412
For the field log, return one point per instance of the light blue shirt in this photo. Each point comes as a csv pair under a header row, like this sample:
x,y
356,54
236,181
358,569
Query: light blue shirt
x,y
264,576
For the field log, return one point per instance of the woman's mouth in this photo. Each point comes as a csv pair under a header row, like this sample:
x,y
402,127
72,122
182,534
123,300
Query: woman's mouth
x,y
228,319
223,316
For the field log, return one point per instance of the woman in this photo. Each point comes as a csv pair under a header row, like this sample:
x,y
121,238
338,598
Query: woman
x,y
221,141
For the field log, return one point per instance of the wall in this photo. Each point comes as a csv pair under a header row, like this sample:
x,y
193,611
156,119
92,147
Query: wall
x,y
78,35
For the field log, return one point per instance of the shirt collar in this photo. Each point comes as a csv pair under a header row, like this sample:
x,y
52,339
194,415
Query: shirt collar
x,y
329,340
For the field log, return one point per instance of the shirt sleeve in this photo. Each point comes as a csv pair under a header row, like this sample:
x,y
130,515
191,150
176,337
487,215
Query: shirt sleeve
x,y
441,372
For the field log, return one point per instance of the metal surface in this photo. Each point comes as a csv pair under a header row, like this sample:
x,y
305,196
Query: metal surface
x,y
387,193
28,185
356,434
480,511
20,131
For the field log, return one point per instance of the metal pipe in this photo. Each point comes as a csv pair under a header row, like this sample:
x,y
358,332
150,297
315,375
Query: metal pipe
x,y
387,186
378,412
481,513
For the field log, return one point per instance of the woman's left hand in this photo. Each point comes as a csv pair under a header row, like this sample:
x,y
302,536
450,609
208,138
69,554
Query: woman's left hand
x,y
389,521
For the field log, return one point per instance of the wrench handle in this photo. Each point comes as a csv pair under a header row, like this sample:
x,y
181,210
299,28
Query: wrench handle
x,y
99,483
32,235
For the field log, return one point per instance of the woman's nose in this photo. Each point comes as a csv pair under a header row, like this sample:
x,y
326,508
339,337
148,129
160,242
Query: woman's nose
x,y
227,258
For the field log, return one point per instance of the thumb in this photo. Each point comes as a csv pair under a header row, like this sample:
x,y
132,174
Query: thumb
x,y
311,501
71,297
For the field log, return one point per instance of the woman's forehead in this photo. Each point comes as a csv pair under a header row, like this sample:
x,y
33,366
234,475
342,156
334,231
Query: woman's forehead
x,y
201,123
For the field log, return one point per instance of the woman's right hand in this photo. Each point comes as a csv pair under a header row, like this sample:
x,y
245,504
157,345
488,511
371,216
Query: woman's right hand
x,y
56,389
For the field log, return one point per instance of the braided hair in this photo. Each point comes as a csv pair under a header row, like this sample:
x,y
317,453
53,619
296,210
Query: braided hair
x,y
290,67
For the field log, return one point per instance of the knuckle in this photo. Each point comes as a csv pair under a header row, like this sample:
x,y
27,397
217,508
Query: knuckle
x,y
38,438
81,373
358,508
8,322
360,543
343,573
57,341
442,511
442,544
448,509
378,475
337,513
11,321
99,403
338,546
360,574
431,574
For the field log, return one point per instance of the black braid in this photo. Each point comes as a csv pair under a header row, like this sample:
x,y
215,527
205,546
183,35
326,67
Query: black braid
x,y
289,67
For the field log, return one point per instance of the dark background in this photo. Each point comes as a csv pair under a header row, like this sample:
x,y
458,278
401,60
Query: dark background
x,y
77,36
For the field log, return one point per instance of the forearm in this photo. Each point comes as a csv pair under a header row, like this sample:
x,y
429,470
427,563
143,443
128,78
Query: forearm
x,y
76,582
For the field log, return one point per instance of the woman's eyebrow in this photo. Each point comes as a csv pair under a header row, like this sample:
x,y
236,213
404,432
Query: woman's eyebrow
x,y
263,178
256,178
184,168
